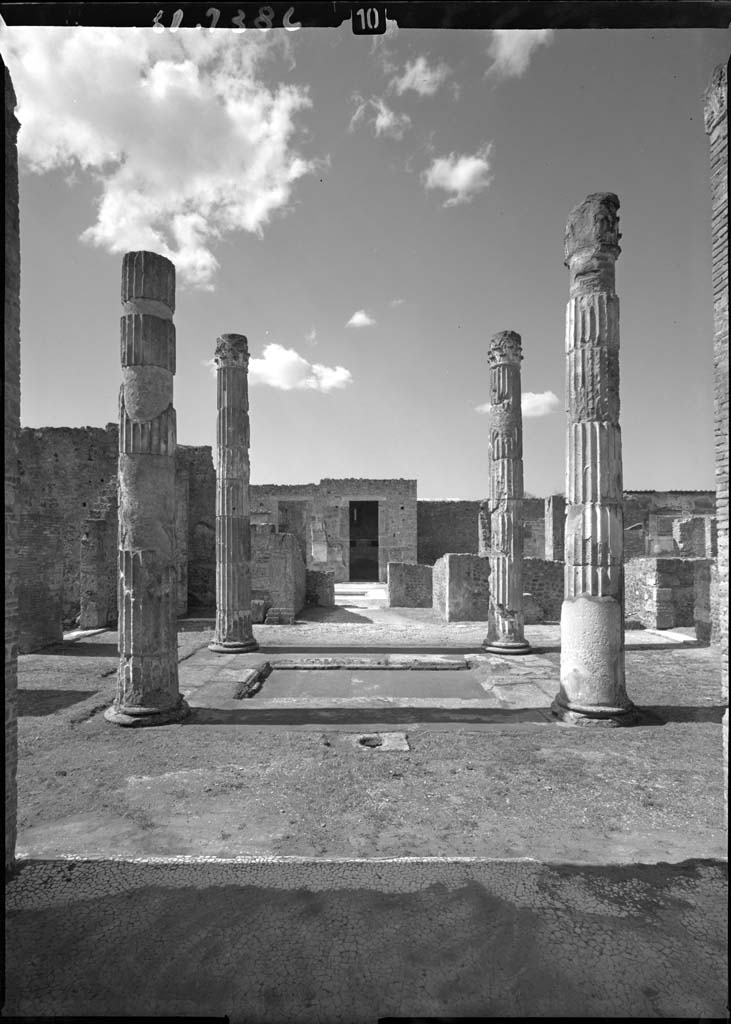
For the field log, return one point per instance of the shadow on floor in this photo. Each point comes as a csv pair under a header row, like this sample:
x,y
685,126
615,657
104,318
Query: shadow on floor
x,y
48,702
650,716
336,614
79,649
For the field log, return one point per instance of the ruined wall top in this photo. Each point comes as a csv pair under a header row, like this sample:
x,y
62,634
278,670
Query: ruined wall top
x,y
147,275
11,100
232,350
716,98
505,347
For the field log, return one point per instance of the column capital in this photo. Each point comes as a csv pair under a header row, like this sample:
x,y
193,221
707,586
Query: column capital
x,y
715,99
505,347
231,350
592,230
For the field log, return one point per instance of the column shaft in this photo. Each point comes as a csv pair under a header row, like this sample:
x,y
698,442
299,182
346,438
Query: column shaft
x,y
505,497
147,684
233,537
592,687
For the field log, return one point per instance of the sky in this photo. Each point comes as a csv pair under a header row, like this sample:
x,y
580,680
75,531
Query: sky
x,y
369,212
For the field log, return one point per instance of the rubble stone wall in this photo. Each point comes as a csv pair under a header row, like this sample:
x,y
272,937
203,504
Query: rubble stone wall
x,y
197,461
661,593
543,580
409,585
63,472
445,526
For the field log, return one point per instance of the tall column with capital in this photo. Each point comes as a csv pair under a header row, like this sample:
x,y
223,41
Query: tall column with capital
x,y
592,689
505,498
233,538
147,682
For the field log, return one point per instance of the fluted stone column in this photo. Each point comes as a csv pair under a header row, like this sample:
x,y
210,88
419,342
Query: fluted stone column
x,y
505,498
233,537
147,687
592,690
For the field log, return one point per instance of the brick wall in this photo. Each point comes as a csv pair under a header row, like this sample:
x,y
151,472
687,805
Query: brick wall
x,y
11,386
543,580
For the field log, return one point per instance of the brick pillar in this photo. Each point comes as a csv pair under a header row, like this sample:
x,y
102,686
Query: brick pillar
x,y
95,612
483,529
592,690
505,616
147,684
182,500
555,517
716,123
12,430
233,538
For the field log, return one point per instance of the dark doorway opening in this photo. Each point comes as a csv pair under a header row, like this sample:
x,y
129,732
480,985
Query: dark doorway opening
x,y
364,541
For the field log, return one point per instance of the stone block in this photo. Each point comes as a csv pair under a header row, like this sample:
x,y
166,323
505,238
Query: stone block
x,y
320,588
409,585
532,610
277,571
461,588
259,610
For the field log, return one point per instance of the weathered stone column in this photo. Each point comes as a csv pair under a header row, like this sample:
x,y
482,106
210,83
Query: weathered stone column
x,y
592,690
716,125
505,498
233,537
147,688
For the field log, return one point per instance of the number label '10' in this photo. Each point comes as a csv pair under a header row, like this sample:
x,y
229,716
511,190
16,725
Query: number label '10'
x,y
369,21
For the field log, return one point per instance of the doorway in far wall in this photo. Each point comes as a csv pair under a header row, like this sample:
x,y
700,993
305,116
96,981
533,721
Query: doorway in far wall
x,y
364,541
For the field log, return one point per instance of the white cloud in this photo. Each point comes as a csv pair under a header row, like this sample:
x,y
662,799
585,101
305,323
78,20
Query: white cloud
x,y
283,368
511,49
384,121
185,141
542,403
360,319
463,175
421,78
533,404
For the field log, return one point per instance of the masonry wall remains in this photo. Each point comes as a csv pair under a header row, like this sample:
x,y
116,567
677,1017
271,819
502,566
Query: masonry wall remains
x,y
277,574
318,516
409,585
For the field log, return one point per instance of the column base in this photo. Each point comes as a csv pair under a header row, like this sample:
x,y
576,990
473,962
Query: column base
x,y
233,646
607,718
516,647
147,716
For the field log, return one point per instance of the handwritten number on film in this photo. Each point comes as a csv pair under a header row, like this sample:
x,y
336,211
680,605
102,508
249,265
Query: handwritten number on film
x,y
263,21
